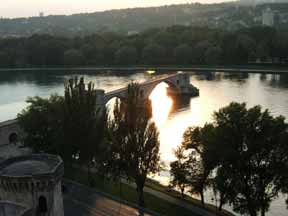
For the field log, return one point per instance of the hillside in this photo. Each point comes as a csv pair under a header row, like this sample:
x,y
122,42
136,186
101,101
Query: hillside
x,y
130,21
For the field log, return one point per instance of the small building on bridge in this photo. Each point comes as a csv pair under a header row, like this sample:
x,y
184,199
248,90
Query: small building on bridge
x,y
10,140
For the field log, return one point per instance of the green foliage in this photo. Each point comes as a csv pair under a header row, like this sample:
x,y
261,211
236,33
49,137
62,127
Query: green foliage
x,y
126,55
133,145
179,171
202,157
42,121
70,126
251,142
173,45
182,54
153,54
84,124
246,149
73,57
213,55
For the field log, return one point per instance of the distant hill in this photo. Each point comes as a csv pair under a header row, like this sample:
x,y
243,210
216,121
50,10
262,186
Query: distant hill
x,y
131,21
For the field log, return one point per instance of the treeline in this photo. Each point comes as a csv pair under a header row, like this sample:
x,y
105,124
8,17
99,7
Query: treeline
x,y
176,45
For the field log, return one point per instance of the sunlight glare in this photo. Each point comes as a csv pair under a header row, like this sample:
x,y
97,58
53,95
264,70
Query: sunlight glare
x,y
161,104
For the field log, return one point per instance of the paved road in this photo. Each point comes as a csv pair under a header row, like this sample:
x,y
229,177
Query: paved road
x,y
83,201
195,210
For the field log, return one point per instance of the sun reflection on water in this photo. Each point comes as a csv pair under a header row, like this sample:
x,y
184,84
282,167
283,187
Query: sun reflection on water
x,y
161,103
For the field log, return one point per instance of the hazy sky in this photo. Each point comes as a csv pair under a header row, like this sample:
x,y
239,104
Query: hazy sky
x,y
24,8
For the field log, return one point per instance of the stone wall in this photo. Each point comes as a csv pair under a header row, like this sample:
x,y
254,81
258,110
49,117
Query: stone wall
x,y
7,129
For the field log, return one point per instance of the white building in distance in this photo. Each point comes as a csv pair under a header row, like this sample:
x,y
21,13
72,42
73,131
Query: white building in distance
x,y
268,17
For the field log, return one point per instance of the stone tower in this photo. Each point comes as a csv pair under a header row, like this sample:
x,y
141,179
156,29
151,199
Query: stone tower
x,y
33,182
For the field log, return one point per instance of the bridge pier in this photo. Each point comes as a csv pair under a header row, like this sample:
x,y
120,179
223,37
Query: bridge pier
x,y
184,86
100,101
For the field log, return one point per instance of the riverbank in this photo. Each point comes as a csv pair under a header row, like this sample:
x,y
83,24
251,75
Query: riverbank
x,y
132,69
158,198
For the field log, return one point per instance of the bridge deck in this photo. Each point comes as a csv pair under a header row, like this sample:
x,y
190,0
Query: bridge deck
x,y
153,80
7,123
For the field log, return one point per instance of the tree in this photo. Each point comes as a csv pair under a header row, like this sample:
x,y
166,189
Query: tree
x,y
213,55
71,126
4,59
179,171
84,124
73,57
42,122
223,185
133,144
153,54
200,50
182,54
126,55
249,141
203,157
247,149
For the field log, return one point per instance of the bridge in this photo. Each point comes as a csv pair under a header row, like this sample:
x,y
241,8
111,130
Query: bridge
x,y
179,84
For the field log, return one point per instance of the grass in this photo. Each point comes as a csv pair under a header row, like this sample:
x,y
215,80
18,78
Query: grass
x,y
166,190
128,193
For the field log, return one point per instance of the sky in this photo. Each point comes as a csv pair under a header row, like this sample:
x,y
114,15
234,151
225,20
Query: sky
x,y
28,8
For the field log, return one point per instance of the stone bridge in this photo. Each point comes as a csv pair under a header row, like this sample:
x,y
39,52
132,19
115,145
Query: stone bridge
x,y
178,83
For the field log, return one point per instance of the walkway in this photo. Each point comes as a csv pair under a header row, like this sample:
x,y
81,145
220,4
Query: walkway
x,y
80,200
244,69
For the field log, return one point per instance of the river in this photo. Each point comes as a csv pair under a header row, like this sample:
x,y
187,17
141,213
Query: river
x,y
172,115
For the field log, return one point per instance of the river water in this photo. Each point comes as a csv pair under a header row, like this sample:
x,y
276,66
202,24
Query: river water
x,y
172,115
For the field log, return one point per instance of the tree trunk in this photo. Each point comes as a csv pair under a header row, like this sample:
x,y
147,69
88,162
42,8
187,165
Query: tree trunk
x,y
202,197
252,212
140,185
220,205
140,197
263,211
221,201
182,193
90,178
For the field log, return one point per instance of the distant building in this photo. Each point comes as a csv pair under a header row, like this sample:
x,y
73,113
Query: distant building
x,y
41,14
268,17
131,33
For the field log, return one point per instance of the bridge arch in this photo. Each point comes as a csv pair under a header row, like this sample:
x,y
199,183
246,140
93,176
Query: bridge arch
x,y
13,138
172,87
110,105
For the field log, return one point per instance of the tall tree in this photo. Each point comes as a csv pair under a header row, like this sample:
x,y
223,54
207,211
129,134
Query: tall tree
x,y
179,171
249,143
202,158
134,143
83,123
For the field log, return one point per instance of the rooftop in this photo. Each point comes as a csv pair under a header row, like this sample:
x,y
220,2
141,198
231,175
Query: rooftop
x,y
31,165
